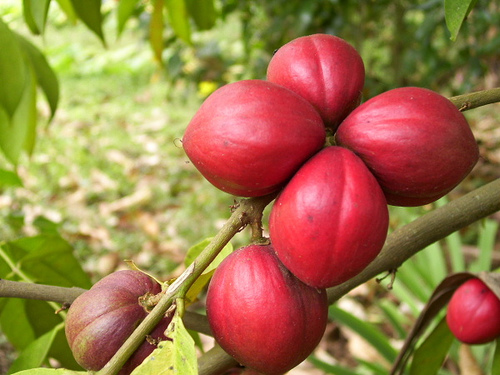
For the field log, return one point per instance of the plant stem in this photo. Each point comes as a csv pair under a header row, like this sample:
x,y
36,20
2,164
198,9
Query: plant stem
x,y
401,245
247,211
27,290
476,99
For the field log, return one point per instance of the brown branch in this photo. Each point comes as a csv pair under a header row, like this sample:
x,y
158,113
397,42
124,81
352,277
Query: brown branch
x,y
476,99
18,289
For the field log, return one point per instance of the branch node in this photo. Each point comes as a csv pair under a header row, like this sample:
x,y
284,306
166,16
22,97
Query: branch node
x,y
392,274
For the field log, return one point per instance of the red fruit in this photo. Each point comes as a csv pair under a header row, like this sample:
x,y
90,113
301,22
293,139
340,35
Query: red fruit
x,y
102,318
331,220
474,313
249,137
261,314
415,141
325,70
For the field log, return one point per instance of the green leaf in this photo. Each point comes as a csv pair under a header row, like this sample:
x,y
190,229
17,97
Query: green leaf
x,y
156,29
36,352
455,12
429,357
486,245
202,12
68,10
49,259
367,331
433,307
15,323
20,132
89,11
9,179
196,249
13,72
35,14
46,78
50,371
178,17
495,365
174,356
124,12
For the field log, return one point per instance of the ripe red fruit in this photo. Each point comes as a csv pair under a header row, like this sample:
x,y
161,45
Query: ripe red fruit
x,y
261,314
102,318
325,70
331,220
249,137
415,141
474,313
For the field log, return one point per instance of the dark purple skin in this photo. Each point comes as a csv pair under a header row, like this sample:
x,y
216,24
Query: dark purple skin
x,y
331,220
261,314
102,318
473,314
416,142
325,70
250,136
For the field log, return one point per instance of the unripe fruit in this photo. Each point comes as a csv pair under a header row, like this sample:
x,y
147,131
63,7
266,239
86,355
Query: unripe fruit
x,y
331,220
325,70
261,314
102,318
415,141
474,313
250,136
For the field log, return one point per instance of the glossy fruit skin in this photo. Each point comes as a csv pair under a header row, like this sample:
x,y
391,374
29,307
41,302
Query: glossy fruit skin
x,y
415,141
250,136
325,70
473,314
261,314
102,318
331,220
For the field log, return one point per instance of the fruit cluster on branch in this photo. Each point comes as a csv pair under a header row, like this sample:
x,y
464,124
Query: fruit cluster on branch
x,y
267,303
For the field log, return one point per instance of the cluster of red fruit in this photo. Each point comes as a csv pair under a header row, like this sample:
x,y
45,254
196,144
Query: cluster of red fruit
x,y
409,146
267,304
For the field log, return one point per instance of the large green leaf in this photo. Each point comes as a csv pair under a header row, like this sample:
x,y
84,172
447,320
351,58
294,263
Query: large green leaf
x,y
19,133
36,352
455,12
15,324
68,10
203,13
156,29
35,14
9,179
89,11
48,259
178,17
46,78
13,72
430,355
174,356
124,12
495,363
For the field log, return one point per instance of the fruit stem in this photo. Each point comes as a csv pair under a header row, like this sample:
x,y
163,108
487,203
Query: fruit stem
x,y
247,211
476,99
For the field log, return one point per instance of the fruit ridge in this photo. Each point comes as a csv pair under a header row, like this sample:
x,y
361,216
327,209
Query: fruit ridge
x,y
331,219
